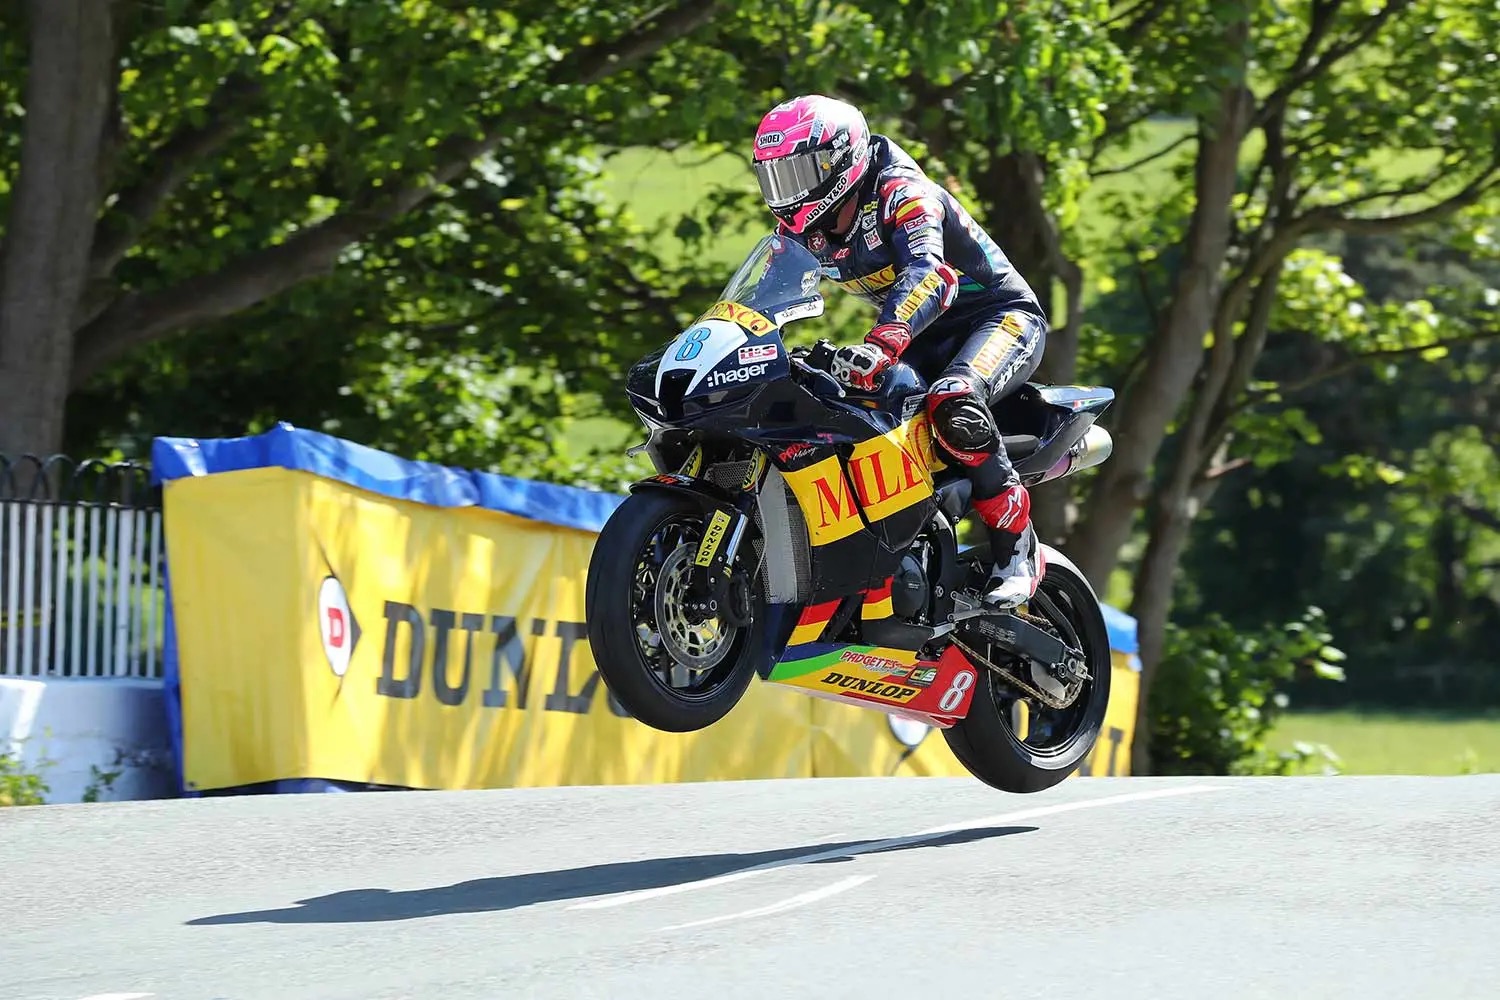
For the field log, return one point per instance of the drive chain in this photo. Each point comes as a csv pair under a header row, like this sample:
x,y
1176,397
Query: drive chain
x,y
1010,678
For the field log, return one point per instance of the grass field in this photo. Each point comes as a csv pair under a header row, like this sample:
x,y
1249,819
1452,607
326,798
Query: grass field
x,y
1406,743
659,185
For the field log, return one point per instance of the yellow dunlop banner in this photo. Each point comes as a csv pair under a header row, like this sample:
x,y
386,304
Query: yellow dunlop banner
x,y
327,631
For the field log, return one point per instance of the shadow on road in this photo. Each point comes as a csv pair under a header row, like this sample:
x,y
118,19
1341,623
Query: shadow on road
x,y
510,891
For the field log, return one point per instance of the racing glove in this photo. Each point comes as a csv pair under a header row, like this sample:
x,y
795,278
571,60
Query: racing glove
x,y
861,365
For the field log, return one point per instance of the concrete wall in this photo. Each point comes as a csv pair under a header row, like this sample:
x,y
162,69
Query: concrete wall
x,y
63,728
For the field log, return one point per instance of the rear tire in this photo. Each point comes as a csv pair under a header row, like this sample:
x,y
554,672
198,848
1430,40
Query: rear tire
x,y
628,599
984,741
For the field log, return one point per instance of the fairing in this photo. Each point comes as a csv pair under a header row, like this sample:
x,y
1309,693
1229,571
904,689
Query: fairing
x,y
863,468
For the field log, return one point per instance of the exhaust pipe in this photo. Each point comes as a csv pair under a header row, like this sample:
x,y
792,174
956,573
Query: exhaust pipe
x,y
1092,449
1088,451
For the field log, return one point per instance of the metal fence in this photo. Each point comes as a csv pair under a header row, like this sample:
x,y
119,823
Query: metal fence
x,y
80,569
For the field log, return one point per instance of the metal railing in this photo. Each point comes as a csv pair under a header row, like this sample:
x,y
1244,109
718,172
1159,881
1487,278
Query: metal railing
x,y
81,557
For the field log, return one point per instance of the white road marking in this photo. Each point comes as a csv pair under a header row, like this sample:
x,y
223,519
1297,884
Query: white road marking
x,y
641,895
781,907
1160,793
119,996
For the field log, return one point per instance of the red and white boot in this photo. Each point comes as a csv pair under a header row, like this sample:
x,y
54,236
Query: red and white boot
x,y
1013,542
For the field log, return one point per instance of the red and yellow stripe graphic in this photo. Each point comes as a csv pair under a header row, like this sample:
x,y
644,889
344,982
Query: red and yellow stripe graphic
x,y
814,619
911,210
877,603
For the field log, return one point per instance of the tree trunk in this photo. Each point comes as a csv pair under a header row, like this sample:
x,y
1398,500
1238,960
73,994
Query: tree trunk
x,y
69,87
1176,351
1053,509
1171,526
1018,220
1192,480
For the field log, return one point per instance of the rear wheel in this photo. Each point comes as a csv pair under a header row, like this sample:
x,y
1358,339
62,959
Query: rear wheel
x,y
986,740
672,666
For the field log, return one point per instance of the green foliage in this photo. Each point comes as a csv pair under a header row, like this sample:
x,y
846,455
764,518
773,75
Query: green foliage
x,y
1359,119
305,197
1385,511
508,304
1217,694
102,780
18,786
466,337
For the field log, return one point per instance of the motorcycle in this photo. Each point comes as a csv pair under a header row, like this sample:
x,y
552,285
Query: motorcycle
x,y
807,534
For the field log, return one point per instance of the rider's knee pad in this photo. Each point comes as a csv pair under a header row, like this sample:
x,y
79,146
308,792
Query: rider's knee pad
x,y
961,421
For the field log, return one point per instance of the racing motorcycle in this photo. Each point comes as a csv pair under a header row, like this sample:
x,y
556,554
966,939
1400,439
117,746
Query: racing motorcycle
x,y
807,534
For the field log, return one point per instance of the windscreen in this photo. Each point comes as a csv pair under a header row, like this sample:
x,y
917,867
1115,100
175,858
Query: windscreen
x,y
777,275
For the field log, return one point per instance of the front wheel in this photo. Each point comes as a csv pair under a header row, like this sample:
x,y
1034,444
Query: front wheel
x,y
669,666
985,741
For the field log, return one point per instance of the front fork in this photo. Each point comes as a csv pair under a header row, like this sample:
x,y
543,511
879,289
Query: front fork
x,y
715,591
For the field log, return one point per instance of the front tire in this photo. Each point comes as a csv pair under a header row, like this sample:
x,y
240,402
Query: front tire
x,y
643,638
985,742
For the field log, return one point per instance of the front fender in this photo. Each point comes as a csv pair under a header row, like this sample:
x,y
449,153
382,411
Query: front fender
x,y
706,494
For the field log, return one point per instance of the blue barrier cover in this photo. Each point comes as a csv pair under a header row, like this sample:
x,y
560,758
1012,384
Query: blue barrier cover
x,y
289,447
1122,632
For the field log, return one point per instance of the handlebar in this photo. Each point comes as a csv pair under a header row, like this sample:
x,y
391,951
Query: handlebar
x,y
820,354
818,375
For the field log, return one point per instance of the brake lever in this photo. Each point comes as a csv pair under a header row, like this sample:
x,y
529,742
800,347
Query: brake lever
x,y
820,375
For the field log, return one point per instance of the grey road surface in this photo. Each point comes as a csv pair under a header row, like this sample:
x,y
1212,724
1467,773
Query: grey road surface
x,y
1119,888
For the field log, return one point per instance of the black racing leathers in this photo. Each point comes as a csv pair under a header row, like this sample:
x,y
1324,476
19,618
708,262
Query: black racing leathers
x,y
977,330
918,256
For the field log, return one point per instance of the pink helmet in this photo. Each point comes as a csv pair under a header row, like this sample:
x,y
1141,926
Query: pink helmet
x,y
810,154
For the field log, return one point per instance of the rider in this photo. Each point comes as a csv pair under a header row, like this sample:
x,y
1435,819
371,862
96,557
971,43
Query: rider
x,y
950,303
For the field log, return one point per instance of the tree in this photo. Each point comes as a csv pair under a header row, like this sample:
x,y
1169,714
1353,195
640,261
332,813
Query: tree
x,y
184,161
1401,89
1381,504
470,335
422,173
409,293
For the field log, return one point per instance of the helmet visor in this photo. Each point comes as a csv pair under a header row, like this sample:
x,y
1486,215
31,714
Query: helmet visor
x,y
789,179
